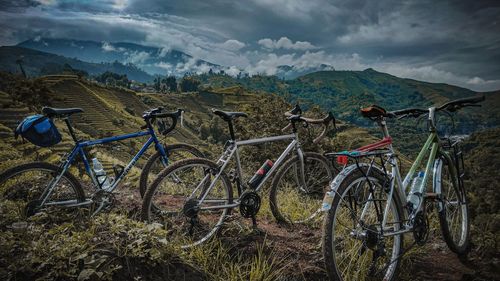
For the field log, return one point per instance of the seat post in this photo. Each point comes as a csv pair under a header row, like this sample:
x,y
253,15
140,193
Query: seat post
x,y
71,132
231,130
383,125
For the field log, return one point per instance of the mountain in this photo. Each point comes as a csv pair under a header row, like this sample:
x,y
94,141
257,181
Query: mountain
x,y
345,92
153,60
36,63
292,71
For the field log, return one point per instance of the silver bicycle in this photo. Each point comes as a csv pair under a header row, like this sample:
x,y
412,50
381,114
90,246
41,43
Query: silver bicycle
x,y
193,197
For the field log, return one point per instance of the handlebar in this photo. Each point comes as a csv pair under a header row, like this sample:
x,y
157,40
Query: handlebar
x,y
451,106
152,114
294,116
455,105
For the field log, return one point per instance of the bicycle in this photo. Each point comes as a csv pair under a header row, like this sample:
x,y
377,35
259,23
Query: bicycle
x,y
193,197
39,185
363,230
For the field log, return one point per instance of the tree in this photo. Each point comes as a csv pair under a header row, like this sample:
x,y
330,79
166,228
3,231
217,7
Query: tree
x,y
113,79
157,83
20,63
171,83
189,84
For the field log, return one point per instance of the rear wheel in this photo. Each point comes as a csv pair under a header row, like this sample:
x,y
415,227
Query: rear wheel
x,y
453,210
172,200
291,201
154,165
25,185
354,247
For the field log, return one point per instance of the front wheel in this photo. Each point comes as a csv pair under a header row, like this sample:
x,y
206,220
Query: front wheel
x,y
189,199
26,185
355,246
452,208
154,165
293,200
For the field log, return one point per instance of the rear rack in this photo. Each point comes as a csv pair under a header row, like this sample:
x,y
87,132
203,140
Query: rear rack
x,y
374,150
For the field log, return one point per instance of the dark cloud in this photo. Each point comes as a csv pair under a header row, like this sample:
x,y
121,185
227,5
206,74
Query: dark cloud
x,y
451,41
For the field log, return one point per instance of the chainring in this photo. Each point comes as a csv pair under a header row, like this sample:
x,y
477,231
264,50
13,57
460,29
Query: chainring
x,y
103,201
420,228
250,204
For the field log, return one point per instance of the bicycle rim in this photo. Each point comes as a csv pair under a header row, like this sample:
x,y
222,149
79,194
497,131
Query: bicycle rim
x,y
24,187
295,202
175,202
356,234
453,212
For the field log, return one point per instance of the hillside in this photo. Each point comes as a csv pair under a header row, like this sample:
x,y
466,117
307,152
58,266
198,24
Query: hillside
x,y
344,92
153,60
113,111
36,63
131,249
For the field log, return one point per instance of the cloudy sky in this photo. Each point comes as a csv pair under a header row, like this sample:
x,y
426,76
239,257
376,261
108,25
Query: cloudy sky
x,y
450,41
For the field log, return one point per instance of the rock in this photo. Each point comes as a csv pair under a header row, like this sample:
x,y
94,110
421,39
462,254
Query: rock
x,y
19,227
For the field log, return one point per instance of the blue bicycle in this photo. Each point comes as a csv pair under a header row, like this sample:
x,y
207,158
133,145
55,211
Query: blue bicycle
x,y
39,185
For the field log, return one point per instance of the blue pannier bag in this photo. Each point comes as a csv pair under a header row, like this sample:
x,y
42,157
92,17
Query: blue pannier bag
x,y
39,130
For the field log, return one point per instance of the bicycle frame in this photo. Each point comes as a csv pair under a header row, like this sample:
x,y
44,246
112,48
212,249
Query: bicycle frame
x,y
433,166
79,149
232,150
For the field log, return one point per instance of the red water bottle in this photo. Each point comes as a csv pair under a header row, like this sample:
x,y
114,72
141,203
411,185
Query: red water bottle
x,y
260,174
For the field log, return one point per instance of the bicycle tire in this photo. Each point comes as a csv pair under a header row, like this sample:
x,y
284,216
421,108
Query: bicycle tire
x,y
276,210
329,243
462,246
147,211
79,194
169,149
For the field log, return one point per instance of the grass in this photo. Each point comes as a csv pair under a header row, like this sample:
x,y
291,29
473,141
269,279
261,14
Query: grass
x,y
112,246
217,260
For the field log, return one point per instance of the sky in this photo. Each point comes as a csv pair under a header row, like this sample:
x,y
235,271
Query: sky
x,y
449,41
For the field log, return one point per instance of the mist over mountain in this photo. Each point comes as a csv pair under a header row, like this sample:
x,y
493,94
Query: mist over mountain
x,y
292,72
36,63
152,60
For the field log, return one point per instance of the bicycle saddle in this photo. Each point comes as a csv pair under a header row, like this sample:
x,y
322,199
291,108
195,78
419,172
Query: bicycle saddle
x,y
60,112
228,116
373,111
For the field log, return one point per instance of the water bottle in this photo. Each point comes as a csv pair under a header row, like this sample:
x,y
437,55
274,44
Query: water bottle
x,y
260,174
100,174
327,201
414,196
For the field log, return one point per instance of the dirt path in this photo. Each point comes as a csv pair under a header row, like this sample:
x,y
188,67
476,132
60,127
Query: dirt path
x,y
297,249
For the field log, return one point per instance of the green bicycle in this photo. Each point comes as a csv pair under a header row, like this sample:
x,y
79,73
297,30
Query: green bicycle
x,y
369,211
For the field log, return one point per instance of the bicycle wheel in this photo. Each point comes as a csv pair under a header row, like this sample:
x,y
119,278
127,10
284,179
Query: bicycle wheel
x,y
173,197
154,165
25,185
290,201
354,246
453,211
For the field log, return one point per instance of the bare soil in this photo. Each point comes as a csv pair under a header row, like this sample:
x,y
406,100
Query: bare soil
x,y
297,249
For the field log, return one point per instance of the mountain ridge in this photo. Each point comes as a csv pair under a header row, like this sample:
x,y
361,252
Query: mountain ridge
x,y
153,60
37,63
